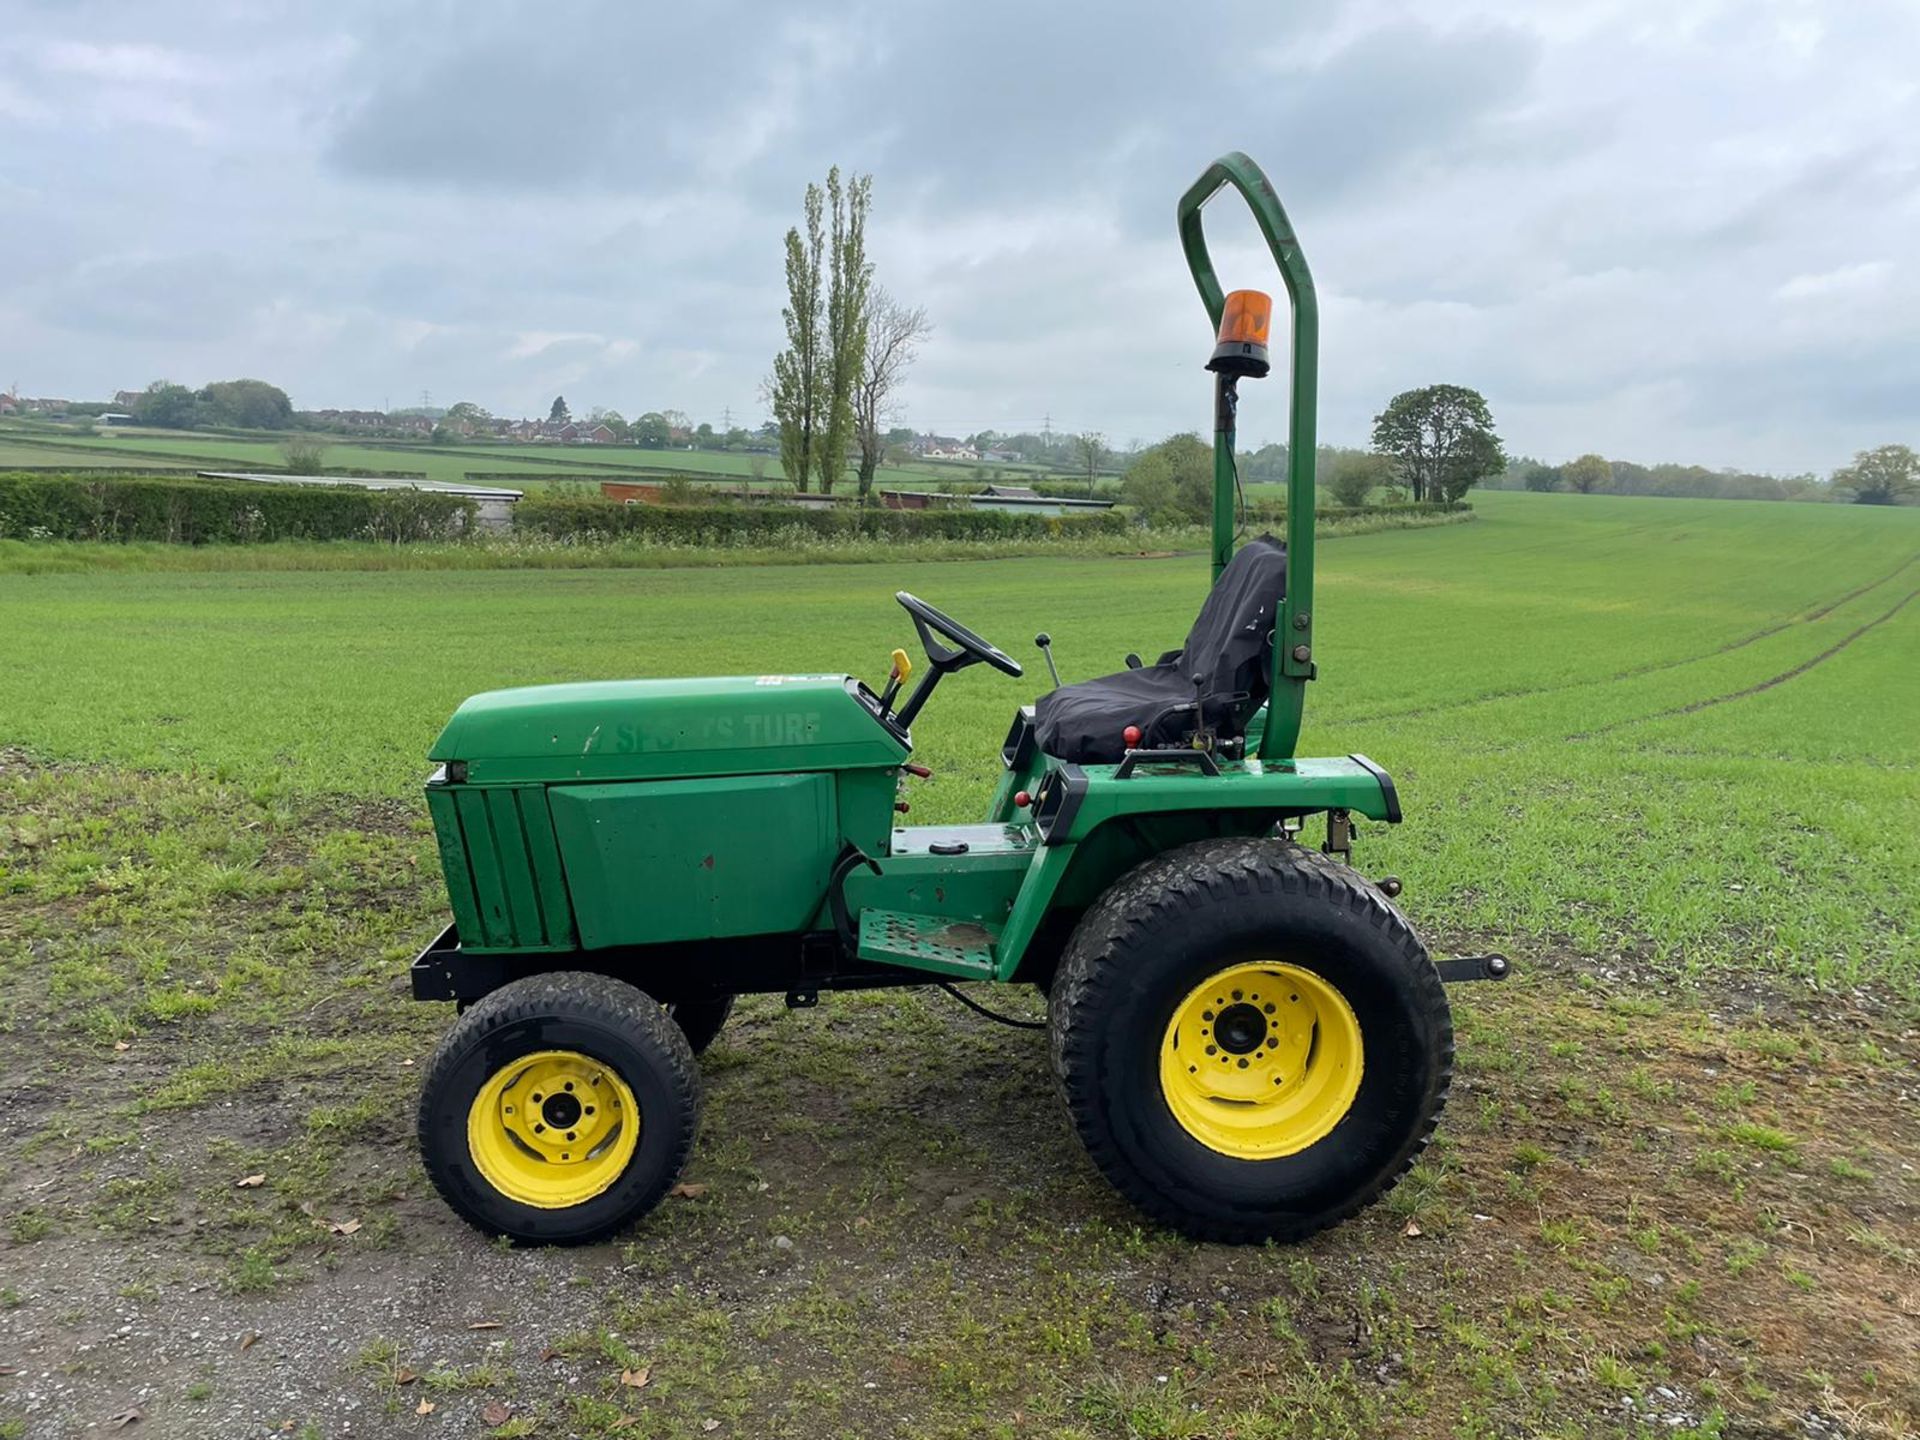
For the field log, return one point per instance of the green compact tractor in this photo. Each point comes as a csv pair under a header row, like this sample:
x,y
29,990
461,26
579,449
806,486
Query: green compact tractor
x,y
1251,1040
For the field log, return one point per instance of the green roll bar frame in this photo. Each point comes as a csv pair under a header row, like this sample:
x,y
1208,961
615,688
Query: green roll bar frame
x,y
1293,663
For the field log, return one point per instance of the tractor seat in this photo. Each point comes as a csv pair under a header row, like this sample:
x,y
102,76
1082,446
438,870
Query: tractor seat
x,y
1228,648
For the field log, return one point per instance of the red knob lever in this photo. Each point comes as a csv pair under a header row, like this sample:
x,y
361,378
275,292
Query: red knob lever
x,y
920,770
1131,735
1022,799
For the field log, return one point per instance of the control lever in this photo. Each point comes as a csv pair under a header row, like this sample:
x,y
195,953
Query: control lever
x,y
1045,642
896,677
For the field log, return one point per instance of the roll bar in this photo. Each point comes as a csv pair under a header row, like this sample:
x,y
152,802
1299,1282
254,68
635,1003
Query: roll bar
x,y
1293,637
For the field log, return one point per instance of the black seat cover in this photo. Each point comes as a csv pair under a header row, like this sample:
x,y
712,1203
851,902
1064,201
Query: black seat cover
x,y
1227,648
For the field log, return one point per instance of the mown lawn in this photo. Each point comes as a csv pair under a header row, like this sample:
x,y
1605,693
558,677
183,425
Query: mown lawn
x,y
1661,752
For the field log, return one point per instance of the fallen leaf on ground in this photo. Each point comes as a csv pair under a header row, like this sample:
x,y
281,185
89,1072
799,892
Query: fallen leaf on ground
x,y
549,1354
495,1412
121,1045
344,1227
249,1340
425,1407
249,1182
484,1325
636,1378
404,1376
709,1425
1412,1229
131,1415
688,1192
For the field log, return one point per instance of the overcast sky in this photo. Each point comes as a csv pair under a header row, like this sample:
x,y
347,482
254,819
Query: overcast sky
x,y
1661,229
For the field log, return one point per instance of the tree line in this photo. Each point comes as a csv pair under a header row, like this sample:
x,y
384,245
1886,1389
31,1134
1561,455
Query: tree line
x,y
1886,475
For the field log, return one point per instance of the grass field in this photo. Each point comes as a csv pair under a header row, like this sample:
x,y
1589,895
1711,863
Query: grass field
x,y
144,449
1661,752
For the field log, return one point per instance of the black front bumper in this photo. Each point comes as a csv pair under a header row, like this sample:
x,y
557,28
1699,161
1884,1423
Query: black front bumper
x,y
443,971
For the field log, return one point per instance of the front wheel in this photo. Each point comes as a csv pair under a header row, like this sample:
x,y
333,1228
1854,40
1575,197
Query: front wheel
x,y
559,1109
1252,1042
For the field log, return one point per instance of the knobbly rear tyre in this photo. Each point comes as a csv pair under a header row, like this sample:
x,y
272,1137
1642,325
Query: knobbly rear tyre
x,y
1295,929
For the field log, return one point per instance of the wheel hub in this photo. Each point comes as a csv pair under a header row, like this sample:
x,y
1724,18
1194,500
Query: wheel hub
x,y
553,1129
1261,1060
1240,1028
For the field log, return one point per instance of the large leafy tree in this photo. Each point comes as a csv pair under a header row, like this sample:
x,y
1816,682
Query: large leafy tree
x,y
247,404
167,405
1885,476
1171,483
1441,440
1587,474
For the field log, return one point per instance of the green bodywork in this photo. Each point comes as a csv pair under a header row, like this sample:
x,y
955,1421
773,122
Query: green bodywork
x,y
610,817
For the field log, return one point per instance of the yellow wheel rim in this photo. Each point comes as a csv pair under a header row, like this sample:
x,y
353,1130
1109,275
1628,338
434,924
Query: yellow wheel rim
x,y
553,1129
1261,1061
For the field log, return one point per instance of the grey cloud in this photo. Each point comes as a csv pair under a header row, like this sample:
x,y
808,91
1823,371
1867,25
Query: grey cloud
x,y
1590,212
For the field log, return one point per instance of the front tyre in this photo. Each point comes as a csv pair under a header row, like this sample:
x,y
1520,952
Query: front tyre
x,y
1252,1041
559,1109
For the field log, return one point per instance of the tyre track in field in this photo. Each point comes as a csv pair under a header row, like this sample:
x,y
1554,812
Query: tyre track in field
x,y
1767,684
1798,617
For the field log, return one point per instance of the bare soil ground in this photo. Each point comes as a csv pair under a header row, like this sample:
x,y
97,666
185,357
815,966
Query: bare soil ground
x,y
1650,1211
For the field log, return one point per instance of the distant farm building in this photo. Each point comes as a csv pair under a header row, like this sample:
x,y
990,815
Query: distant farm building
x,y
643,493
1023,500
493,509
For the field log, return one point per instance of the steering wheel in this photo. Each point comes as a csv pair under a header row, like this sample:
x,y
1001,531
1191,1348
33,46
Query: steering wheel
x,y
944,659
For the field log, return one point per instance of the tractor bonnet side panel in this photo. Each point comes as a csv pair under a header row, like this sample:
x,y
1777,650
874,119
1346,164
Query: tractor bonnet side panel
x,y
667,860
502,867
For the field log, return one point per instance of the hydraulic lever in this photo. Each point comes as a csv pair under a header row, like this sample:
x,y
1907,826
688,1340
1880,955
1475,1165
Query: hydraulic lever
x,y
1045,642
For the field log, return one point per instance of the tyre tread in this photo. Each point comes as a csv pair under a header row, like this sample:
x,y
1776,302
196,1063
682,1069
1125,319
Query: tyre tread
x,y
1154,894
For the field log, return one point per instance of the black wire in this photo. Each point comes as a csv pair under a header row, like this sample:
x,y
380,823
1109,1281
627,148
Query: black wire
x,y
980,1009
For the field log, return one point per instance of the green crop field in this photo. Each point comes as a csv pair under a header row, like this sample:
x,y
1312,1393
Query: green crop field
x,y
1663,753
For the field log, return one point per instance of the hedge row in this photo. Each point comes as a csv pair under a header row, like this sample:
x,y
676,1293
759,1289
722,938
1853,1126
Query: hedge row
x,y
191,511
563,518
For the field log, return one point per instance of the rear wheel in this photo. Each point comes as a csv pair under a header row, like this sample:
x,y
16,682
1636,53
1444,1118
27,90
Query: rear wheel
x,y
559,1109
1252,1041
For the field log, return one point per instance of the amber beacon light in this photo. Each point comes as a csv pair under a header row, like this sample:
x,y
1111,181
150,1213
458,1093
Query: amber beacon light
x,y
1245,321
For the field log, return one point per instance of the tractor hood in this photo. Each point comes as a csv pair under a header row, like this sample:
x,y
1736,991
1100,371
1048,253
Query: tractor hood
x,y
654,729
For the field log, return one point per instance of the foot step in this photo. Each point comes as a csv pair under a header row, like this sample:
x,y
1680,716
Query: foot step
x,y
939,943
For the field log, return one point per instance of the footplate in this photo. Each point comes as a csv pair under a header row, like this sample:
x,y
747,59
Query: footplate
x,y
937,943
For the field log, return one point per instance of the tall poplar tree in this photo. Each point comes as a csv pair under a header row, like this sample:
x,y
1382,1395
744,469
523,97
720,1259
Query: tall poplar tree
x,y
849,279
798,390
